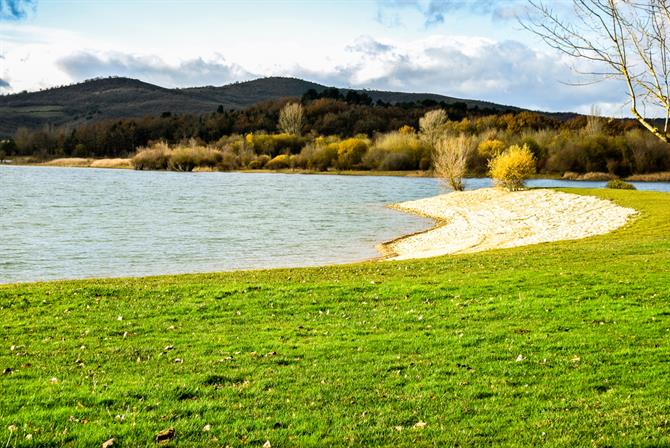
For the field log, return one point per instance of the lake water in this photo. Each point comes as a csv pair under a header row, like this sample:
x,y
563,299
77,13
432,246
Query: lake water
x,y
58,223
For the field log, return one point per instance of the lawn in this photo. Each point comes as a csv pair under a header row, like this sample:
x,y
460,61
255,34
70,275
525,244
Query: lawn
x,y
560,344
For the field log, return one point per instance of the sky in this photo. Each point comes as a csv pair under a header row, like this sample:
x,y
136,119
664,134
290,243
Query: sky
x,y
474,49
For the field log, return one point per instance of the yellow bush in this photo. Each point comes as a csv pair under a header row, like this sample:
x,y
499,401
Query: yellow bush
x,y
279,162
490,148
408,130
258,162
274,144
511,168
350,152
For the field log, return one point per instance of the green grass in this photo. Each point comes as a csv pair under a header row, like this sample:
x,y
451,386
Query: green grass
x,y
357,355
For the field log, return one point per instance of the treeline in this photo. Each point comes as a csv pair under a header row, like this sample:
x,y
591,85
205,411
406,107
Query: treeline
x,y
335,130
330,112
598,147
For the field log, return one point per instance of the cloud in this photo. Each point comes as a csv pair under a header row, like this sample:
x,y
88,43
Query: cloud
x,y
368,45
4,84
16,9
435,11
192,72
506,72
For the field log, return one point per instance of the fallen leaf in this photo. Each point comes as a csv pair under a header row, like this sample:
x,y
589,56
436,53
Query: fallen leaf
x,y
108,443
420,425
398,428
165,435
207,428
520,358
267,444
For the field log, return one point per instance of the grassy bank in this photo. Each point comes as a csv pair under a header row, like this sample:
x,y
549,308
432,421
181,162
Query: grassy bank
x,y
561,344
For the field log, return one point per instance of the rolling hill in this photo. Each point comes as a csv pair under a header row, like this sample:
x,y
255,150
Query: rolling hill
x,y
112,98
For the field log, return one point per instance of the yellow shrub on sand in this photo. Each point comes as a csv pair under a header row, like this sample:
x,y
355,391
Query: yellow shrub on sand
x,y
511,168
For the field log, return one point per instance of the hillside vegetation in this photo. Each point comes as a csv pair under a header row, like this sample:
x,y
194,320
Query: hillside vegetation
x,y
120,98
561,344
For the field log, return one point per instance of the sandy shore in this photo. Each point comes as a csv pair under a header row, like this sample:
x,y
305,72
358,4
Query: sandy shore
x,y
478,220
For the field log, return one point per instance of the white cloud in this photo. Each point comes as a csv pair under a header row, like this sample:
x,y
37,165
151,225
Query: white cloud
x,y
192,72
506,72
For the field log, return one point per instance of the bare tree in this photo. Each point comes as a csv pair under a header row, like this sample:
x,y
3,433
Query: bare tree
x,y
450,159
627,38
290,119
432,125
594,121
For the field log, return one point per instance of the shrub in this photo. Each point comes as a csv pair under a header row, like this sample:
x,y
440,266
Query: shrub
x,y
451,159
397,151
154,158
229,161
653,177
279,162
618,184
321,157
511,168
350,152
274,144
491,148
258,162
185,158
290,119
407,130
649,154
596,176
396,161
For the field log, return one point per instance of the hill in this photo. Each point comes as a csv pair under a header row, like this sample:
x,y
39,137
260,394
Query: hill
x,y
112,98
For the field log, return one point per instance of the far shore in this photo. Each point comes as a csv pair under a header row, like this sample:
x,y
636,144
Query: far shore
x,y
125,163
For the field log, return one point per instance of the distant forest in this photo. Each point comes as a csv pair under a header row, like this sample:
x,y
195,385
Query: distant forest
x,y
326,113
569,143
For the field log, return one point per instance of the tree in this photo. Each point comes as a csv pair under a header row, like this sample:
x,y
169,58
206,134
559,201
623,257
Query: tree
x,y
627,39
450,159
290,119
431,126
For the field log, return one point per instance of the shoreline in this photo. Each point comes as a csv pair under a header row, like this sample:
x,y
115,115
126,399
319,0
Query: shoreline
x,y
490,219
396,249
124,163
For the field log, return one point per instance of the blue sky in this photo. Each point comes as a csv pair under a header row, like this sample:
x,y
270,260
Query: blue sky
x,y
464,48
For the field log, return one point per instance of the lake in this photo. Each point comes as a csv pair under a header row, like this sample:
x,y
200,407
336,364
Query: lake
x,y
58,223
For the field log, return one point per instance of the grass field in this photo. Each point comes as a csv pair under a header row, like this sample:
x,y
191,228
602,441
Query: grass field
x,y
561,344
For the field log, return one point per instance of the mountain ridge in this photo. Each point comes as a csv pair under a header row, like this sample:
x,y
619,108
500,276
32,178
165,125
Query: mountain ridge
x,y
121,97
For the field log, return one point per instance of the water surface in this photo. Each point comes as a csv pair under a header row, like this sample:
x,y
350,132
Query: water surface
x,y
58,223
